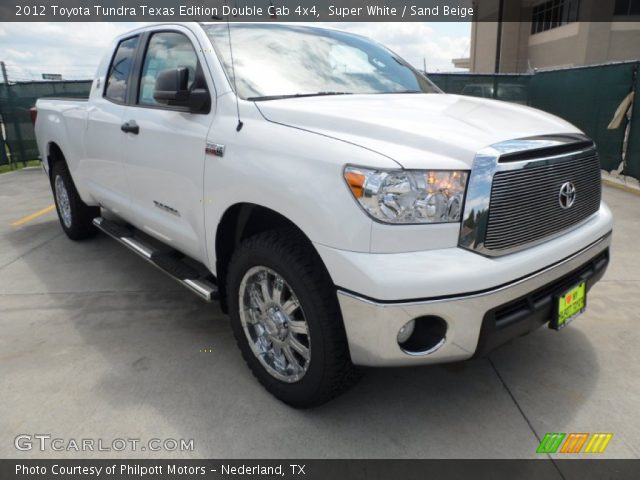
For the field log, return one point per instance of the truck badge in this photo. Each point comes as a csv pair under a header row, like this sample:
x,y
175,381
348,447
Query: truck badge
x,y
214,149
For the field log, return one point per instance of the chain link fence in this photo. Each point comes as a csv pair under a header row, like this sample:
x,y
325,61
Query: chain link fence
x,y
503,86
587,97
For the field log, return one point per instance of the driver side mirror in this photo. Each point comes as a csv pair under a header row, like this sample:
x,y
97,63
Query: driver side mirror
x,y
172,89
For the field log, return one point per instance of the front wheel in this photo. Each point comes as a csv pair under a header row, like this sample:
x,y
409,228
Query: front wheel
x,y
286,319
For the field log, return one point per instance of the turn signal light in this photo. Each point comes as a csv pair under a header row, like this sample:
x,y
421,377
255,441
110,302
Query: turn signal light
x,y
355,180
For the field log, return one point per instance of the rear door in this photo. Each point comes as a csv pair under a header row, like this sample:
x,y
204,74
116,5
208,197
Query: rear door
x,y
165,158
104,162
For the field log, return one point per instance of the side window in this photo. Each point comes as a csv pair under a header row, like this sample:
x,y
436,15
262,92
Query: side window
x,y
166,50
118,77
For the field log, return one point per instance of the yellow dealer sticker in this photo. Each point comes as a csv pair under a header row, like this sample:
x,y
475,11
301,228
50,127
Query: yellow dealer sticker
x,y
571,304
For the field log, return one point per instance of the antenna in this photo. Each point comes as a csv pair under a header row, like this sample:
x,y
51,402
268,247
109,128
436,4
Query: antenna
x,y
233,72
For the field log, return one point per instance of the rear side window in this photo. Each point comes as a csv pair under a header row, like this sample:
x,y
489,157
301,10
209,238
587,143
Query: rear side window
x,y
167,50
118,77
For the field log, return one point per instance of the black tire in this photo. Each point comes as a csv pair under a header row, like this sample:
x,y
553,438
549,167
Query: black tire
x,y
81,215
330,371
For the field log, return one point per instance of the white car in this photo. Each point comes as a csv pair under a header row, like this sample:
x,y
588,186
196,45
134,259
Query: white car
x,y
343,210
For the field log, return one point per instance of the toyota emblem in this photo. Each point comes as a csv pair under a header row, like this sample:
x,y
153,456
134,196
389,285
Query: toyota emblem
x,y
567,195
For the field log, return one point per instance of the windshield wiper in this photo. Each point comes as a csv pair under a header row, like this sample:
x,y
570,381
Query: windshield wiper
x,y
296,95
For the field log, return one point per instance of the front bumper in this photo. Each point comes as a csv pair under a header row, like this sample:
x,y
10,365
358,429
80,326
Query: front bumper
x,y
476,322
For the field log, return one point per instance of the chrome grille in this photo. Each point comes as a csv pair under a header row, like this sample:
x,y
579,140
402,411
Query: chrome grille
x,y
525,205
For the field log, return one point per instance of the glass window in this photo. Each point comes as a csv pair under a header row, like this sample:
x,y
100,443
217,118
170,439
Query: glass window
x,y
622,7
167,50
275,61
627,7
118,77
554,13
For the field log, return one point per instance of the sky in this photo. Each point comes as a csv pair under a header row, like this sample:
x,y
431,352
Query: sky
x,y
75,49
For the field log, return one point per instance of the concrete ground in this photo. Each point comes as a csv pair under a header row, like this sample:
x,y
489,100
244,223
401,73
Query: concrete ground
x,y
98,344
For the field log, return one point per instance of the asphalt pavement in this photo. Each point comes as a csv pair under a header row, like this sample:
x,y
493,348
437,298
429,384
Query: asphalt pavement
x,y
97,344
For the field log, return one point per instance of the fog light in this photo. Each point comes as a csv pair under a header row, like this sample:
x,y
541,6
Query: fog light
x,y
423,335
406,331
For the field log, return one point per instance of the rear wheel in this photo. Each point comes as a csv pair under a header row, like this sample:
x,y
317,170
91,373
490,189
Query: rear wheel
x,y
286,319
75,216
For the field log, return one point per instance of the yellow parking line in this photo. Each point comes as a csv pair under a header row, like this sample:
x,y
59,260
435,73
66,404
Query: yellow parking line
x,y
33,216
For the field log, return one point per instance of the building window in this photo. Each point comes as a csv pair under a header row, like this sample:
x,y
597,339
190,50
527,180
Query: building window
x,y
627,7
554,13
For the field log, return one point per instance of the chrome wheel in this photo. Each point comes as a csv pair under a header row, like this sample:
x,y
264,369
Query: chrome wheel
x,y
274,324
62,199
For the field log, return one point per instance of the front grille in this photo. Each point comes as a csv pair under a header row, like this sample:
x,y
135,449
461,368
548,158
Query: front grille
x,y
525,206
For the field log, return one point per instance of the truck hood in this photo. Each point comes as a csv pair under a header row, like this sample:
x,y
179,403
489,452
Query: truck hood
x,y
415,130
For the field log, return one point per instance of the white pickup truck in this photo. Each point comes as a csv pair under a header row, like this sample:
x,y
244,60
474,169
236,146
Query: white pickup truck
x,y
343,210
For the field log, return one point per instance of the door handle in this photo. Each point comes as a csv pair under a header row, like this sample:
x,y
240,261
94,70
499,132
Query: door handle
x,y
130,127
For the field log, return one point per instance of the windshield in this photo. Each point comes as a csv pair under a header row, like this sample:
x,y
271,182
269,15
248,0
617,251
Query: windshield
x,y
276,61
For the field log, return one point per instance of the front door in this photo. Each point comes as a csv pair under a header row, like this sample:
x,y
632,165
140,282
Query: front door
x,y
165,154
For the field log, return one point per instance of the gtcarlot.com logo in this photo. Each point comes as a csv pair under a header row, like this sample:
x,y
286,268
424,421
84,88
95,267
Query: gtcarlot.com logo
x,y
574,443
45,442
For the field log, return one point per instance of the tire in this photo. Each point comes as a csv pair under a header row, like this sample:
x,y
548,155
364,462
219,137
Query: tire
x,y
75,216
285,258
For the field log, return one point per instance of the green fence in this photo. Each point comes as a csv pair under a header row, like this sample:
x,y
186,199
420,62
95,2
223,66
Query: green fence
x,y
633,156
16,100
507,87
588,97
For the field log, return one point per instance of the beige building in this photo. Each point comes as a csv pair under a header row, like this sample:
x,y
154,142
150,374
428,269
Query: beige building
x,y
554,33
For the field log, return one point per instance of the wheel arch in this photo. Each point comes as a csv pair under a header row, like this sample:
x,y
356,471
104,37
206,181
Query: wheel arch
x,y
54,154
241,221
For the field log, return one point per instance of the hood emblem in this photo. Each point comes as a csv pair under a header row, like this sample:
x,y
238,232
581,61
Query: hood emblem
x,y
567,196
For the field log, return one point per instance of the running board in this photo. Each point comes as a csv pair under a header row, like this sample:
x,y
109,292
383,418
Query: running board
x,y
168,262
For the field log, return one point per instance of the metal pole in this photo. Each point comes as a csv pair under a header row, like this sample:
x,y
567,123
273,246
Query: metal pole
x,y
498,49
4,159
3,152
11,115
4,72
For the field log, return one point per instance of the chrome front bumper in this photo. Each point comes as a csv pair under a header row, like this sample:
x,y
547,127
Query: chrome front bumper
x,y
372,326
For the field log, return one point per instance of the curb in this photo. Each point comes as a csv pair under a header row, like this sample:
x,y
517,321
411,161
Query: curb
x,y
621,186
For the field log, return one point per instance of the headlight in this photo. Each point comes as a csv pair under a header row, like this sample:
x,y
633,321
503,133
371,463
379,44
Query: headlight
x,y
409,196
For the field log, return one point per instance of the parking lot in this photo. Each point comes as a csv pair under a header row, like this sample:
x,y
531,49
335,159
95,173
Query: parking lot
x,y
98,344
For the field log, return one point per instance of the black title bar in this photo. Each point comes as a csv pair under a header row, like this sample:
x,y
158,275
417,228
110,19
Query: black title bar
x,y
287,10
544,468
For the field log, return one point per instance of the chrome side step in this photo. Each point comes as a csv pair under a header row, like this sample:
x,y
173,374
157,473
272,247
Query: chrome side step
x,y
169,262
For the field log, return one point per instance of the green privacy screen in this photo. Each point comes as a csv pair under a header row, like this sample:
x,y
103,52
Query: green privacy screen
x,y
510,88
15,102
633,155
587,97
